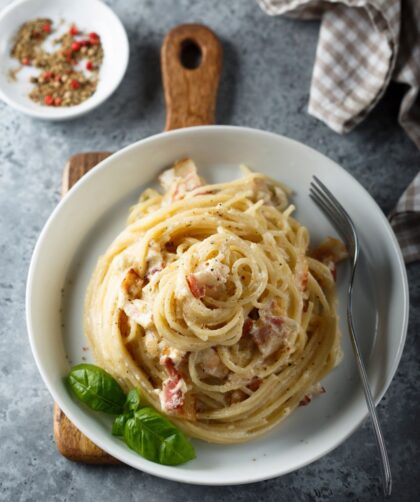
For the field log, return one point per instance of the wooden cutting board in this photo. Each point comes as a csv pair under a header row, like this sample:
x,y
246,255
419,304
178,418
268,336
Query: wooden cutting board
x,y
191,60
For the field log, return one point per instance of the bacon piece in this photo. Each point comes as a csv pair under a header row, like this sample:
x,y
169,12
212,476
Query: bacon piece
x,y
155,261
210,275
316,390
210,364
263,336
255,384
132,284
275,321
177,356
306,400
172,396
237,396
333,269
330,252
196,289
140,311
302,273
154,270
247,327
330,249
179,180
123,324
169,366
270,333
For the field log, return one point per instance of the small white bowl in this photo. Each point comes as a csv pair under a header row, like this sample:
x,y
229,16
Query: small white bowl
x,y
87,15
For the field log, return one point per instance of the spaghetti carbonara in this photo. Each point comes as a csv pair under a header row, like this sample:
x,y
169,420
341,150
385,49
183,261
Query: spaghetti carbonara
x,y
211,305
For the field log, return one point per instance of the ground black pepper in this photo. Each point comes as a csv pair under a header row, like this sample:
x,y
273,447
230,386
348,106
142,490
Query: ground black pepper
x,y
61,81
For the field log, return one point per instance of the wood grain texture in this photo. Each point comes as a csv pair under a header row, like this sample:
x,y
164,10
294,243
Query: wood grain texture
x,y
70,441
78,165
190,93
74,445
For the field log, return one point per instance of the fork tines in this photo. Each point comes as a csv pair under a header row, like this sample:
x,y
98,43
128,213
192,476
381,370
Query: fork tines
x,y
335,212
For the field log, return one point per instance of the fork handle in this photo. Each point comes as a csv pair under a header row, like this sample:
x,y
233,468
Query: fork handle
x,y
386,468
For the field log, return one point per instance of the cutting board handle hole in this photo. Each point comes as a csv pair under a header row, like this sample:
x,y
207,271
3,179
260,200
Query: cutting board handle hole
x,y
191,54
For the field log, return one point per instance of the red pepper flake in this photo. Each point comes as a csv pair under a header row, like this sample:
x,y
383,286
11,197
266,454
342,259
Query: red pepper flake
x,y
58,101
73,30
75,84
89,66
48,100
25,61
94,38
76,46
68,53
84,43
46,28
47,75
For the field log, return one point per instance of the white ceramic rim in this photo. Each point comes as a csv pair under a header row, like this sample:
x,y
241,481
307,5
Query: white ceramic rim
x,y
60,114
149,467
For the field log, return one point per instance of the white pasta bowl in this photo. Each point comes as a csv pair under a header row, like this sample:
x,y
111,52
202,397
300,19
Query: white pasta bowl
x,y
88,15
94,212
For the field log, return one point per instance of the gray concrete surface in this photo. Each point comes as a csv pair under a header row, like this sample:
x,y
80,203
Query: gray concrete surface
x,y
265,84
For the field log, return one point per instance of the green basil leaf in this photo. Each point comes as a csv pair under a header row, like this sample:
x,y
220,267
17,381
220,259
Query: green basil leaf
x,y
157,439
96,388
133,401
119,424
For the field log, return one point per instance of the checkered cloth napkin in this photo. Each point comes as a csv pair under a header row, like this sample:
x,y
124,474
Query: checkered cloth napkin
x,y
363,45
405,220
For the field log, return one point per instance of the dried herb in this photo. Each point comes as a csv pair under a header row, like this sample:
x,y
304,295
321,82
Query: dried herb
x,y
69,74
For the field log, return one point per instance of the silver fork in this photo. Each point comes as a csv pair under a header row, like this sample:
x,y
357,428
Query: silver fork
x,y
338,216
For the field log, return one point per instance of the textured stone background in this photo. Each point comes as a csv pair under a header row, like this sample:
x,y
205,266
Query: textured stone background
x,y
265,84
